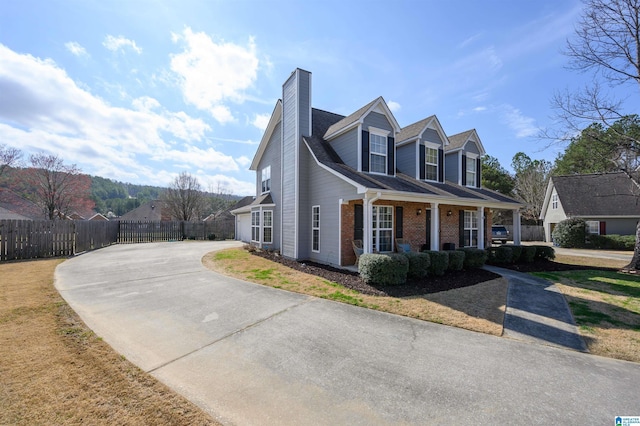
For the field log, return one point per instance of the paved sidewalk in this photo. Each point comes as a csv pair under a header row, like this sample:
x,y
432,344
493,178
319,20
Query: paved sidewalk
x,y
537,312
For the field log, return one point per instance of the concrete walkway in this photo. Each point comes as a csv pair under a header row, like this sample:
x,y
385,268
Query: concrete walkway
x,y
252,355
538,312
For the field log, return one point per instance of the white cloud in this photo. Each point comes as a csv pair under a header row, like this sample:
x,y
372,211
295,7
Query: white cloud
x,y
235,186
261,121
43,109
522,125
393,106
243,161
120,43
479,109
212,74
76,48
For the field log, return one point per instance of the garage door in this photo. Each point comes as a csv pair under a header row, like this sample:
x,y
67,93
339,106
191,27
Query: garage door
x,y
243,231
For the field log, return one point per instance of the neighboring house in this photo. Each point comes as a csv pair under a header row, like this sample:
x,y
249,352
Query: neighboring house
x,y
13,204
608,202
324,180
99,217
155,211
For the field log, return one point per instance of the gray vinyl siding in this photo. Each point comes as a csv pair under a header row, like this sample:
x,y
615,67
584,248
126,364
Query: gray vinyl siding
x,y
406,160
271,157
346,146
289,150
472,148
325,189
304,215
451,167
375,119
430,135
304,94
620,226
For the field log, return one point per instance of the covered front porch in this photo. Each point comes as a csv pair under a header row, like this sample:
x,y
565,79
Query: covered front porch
x,y
376,221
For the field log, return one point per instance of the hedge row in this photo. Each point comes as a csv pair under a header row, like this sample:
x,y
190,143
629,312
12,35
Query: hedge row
x,y
510,253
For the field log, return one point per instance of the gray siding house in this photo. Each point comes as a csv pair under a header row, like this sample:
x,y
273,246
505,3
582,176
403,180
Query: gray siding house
x,y
324,180
608,202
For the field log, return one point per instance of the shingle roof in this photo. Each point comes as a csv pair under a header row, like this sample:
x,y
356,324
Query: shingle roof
x,y
151,210
11,201
350,119
413,130
457,141
609,194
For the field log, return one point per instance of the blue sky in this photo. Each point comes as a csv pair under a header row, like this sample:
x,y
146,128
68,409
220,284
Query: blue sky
x,y
139,91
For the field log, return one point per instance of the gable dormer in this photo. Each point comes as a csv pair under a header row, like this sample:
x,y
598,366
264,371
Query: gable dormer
x,y
420,150
365,140
462,159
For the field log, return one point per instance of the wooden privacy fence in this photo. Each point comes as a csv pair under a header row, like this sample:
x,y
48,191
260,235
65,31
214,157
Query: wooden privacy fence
x,y
32,239
528,232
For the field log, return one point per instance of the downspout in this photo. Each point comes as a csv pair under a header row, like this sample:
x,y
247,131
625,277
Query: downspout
x,y
368,226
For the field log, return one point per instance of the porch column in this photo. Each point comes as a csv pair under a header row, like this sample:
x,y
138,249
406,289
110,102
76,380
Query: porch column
x,y
366,225
435,226
481,231
516,227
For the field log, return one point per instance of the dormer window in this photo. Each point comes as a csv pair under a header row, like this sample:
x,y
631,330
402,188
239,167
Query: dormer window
x,y
471,171
266,179
377,153
431,163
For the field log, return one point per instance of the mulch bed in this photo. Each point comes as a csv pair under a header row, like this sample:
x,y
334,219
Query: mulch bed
x,y
353,281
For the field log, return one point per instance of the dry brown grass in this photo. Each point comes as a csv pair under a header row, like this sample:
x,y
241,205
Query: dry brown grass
x,y
479,308
54,370
590,261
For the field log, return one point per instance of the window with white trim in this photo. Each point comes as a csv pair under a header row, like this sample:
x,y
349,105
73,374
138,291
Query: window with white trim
x,y
255,226
382,227
554,201
315,229
266,179
377,153
267,227
431,163
470,228
471,171
593,227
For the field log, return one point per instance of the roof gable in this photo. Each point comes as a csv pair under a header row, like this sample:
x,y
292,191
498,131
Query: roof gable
x,y
276,117
355,119
459,141
416,130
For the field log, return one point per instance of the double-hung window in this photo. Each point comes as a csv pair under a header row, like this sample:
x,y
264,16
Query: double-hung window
x,y
471,171
593,227
431,163
554,201
377,153
267,227
470,228
255,226
266,179
382,224
315,229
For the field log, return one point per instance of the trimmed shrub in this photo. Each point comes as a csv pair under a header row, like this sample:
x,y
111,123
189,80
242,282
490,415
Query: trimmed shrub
x,y
456,260
383,269
418,264
528,254
439,262
612,242
545,253
500,255
474,258
570,233
516,252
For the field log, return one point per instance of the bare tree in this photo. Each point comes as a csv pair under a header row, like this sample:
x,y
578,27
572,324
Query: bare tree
x,y
606,44
531,178
221,197
184,198
58,187
9,157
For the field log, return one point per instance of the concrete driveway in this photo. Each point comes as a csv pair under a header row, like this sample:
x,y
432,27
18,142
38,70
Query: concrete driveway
x,y
252,355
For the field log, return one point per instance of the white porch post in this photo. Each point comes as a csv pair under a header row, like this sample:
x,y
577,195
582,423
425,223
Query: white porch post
x,y
366,226
435,227
481,231
516,227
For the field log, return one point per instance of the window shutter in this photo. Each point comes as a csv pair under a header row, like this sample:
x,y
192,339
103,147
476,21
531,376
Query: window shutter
x,y
461,228
464,169
399,220
423,174
603,228
478,172
391,156
440,165
358,222
365,152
